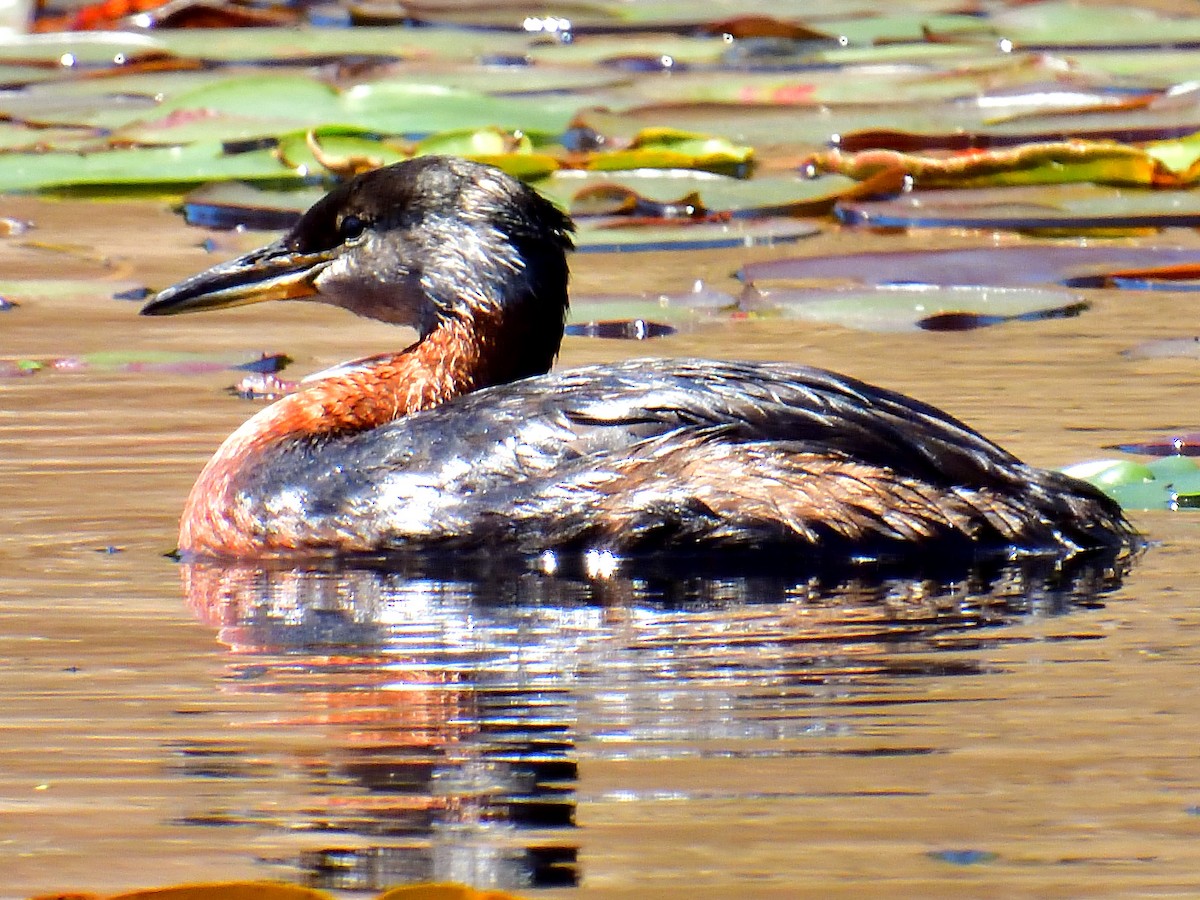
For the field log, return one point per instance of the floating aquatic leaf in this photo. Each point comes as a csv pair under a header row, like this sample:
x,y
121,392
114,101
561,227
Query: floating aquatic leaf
x,y
339,151
297,98
403,107
71,50
640,316
1073,206
233,204
626,235
476,142
145,361
512,152
1058,162
908,307
206,14
109,171
664,48
1111,472
1071,265
200,125
1060,23
308,43
21,138
647,193
1124,118
1169,482
744,26
668,148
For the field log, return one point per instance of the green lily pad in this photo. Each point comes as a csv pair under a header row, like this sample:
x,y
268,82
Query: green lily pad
x,y
1169,482
402,107
669,49
1060,23
907,27
114,170
1111,472
295,98
668,148
89,48
345,147
610,192
303,43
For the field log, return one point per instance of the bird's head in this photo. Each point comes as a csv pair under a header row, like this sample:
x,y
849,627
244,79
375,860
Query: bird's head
x,y
416,243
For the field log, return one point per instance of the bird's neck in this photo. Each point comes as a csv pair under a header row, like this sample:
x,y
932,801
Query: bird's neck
x,y
456,357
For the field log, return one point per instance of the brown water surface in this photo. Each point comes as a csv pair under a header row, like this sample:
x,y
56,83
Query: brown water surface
x,y
1021,734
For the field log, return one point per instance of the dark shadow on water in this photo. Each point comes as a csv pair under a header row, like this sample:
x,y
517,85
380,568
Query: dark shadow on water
x,y
438,710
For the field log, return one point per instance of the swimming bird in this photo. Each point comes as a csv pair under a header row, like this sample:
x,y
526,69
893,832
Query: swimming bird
x,y
463,441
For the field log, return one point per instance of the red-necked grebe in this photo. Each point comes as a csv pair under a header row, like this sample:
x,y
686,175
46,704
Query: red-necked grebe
x,y
463,440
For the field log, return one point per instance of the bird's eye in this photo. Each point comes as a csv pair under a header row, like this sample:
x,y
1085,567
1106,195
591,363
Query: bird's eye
x,y
351,227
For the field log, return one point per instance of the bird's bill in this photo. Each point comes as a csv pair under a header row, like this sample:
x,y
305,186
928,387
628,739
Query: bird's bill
x,y
273,272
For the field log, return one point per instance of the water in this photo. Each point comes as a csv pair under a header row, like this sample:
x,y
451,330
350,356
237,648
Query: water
x,y
1022,732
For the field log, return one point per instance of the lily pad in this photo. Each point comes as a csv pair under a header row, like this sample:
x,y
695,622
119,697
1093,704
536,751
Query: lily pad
x,y
1074,206
145,361
1169,482
623,235
233,204
1071,265
637,315
611,193
1063,24
912,307
165,167
306,43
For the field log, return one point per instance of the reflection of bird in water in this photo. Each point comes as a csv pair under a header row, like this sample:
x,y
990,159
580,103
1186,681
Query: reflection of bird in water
x,y
462,440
